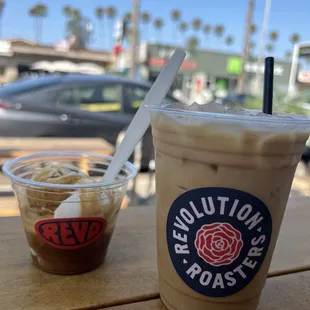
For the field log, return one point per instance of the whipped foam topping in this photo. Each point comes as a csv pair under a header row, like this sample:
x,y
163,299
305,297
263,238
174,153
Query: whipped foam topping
x,y
216,115
218,108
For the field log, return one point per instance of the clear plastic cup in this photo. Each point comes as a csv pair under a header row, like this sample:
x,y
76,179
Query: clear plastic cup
x,y
222,184
68,226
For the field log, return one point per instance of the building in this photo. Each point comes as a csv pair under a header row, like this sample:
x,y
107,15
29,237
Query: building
x,y
207,68
17,56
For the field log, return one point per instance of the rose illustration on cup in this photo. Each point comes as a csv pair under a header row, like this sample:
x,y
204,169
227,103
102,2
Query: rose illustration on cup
x,y
218,244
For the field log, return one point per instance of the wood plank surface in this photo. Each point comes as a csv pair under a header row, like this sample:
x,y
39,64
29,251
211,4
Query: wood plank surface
x,y
290,292
8,206
129,273
53,144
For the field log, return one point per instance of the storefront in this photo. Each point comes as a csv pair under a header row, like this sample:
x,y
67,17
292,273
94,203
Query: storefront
x,y
203,69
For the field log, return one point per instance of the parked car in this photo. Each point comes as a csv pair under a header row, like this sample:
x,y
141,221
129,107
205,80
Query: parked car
x,y
74,105
234,99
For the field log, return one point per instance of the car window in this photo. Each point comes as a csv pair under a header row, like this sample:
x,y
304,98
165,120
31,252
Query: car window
x,y
136,95
96,98
69,97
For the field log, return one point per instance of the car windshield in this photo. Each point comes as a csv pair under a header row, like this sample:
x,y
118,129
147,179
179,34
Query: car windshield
x,y
28,84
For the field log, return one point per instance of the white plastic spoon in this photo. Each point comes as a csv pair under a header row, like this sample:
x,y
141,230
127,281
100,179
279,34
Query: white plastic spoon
x,y
141,120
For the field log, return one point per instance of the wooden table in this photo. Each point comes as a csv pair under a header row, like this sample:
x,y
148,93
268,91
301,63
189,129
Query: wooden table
x,y
128,279
15,147
290,292
33,145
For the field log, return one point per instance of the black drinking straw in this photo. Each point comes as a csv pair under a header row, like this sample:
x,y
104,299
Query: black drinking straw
x,y
268,85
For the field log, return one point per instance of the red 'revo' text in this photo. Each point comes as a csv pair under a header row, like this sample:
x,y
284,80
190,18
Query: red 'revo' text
x,y
70,233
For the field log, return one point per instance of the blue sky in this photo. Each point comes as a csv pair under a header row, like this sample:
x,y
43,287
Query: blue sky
x,y
286,17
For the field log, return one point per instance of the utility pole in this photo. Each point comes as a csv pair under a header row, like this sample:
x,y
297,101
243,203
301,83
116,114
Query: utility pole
x,y
135,37
245,53
259,75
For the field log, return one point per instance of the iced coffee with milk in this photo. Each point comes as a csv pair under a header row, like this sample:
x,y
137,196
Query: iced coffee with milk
x,y
68,212
222,179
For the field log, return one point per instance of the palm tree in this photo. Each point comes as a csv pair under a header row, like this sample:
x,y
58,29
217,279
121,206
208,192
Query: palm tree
x,y
183,27
229,40
274,36
111,14
269,48
295,38
206,30
38,12
193,42
76,14
251,47
99,13
196,24
241,82
2,5
158,24
219,31
253,29
77,27
146,19
128,16
175,17
288,55
67,11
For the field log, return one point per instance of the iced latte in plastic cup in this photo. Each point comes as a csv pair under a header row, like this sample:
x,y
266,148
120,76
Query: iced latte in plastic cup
x,y
222,181
68,213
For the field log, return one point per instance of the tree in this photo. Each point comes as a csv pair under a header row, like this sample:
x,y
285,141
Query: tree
x,y
128,17
251,47
295,38
76,13
253,29
288,55
99,13
158,24
229,40
146,19
67,11
206,30
193,42
78,28
196,24
175,17
245,49
111,14
38,12
2,6
183,27
269,48
274,36
219,31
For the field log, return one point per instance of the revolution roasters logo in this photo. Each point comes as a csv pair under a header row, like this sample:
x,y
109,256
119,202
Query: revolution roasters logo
x,y
218,239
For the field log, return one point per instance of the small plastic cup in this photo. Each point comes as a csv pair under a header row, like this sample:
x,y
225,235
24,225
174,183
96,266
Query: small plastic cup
x,y
68,226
